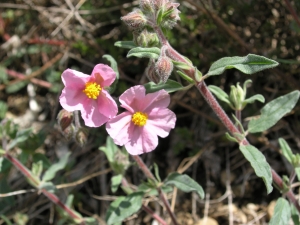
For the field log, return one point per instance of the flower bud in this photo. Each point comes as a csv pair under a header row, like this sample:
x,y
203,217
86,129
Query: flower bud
x,y
164,68
147,6
151,73
152,40
64,119
237,97
68,132
81,136
146,39
170,14
141,39
135,20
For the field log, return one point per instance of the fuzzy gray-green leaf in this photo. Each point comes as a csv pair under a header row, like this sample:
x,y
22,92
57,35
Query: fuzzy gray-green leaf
x,y
248,64
184,183
259,164
282,212
272,112
152,53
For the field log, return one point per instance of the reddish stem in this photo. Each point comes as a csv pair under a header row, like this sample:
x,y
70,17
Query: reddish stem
x,y
146,208
210,99
36,183
21,76
149,175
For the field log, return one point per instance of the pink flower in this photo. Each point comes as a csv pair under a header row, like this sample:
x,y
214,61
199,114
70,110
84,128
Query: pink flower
x,y
146,118
87,94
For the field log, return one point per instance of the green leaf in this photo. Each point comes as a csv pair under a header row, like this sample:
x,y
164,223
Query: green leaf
x,y
248,64
169,86
286,150
49,186
152,53
33,142
156,172
220,94
184,183
3,109
282,212
110,150
125,44
115,182
114,66
273,111
295,215
259,164
257,97
123,207
6,220
41,157
3,75
21,136
150,190
1,161
13,88
37,168
61,164
297,170
90,221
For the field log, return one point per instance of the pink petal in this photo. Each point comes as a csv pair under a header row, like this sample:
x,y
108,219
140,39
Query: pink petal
x,y
142,140
74,79
132,98
106,105
161,121
159,99
91,115
103,75
72,99
120,127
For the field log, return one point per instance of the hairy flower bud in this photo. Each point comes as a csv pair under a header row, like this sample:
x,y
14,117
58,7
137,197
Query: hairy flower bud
x,y
237,97
141,39
64,119
164,68
81,136
151,73
146,39
147,6
68,133
169,14
135,20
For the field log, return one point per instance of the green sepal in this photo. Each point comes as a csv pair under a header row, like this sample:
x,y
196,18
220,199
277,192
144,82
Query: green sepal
x,y
125,44
185,77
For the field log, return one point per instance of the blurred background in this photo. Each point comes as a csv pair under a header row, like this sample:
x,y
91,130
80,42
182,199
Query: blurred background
x,y
40,39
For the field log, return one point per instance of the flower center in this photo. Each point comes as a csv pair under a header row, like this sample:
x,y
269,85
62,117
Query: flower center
x,y
139,119
92,90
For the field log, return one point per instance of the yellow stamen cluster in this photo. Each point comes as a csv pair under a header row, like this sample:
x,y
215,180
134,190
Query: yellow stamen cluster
x,y
92,90
139,118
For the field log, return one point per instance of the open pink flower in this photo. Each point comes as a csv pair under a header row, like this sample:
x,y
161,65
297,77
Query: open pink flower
x,y
87,94
146,118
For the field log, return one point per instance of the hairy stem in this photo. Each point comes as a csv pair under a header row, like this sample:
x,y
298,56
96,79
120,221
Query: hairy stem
x,y
145,207
213,103
36,182
162,196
